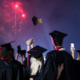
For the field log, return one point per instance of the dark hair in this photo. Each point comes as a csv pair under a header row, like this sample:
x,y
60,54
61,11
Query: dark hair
x,y
9,54
58,42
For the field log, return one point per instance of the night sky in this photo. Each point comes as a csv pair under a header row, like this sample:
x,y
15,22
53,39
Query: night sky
x,y
61,15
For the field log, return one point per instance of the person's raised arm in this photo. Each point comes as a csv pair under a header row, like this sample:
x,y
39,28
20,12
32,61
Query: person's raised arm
x,y
29,42
17,57
60,68
72,49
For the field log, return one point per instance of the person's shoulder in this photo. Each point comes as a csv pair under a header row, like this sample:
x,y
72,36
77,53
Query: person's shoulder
x,y
15,62
67,53
53,51
59,52
56,51
62,51
50,52
48,55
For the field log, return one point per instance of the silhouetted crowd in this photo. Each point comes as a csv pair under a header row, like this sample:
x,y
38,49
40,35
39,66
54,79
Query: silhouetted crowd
x,y
59,65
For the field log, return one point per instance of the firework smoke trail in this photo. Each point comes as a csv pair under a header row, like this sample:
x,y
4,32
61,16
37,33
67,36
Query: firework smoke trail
x,y
12,19
15,21
20,24
17,7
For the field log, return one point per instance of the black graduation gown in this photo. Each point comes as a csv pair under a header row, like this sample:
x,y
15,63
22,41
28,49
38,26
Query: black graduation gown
x,y
35,77
27,70
10,70
53,59
77,69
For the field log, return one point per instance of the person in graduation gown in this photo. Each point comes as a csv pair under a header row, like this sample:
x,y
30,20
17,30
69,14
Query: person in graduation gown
x,y
26,62
29,44
37,61
56,57
36,66
10,69
77,65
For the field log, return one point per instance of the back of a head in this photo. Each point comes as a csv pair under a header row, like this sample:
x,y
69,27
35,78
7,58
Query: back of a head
x,y
8,54
58,42
57,38
7,51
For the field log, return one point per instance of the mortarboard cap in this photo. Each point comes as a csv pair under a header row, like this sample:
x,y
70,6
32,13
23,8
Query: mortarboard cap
x,y
22,52
37,51
78,50
18,49
57,36
7,46
35,20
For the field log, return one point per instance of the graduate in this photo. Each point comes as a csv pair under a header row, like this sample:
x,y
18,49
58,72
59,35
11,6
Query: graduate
x,y
29,45
10,69
77,66
26,62
57,57
37,61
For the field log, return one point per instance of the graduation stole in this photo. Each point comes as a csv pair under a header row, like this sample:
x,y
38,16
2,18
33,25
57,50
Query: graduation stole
x,y
0,48
4,58
27,60
57,48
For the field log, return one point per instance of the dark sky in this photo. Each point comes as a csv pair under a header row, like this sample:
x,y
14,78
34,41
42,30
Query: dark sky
x,y
61,15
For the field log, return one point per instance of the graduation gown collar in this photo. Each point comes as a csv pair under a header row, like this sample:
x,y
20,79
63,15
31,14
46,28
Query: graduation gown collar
x,y
4,58
59,48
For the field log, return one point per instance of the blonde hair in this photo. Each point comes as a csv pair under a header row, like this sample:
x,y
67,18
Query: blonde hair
x,y
35,64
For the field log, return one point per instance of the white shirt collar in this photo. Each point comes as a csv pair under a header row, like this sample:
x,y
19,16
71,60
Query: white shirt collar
x,y
61,49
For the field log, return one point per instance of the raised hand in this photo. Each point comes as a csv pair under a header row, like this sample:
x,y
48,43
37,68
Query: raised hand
x,y
30,41
72,49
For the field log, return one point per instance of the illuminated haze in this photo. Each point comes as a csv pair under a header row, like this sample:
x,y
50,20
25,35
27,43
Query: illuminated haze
x,y
16,22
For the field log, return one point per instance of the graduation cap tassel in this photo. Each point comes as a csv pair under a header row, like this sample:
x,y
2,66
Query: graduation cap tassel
x,y
40,20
